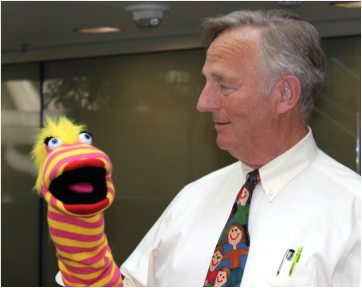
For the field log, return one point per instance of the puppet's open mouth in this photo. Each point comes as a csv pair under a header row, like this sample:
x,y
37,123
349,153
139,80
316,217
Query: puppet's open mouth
x,y
81,184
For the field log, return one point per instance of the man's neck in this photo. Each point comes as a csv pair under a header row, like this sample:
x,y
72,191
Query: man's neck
x,y
275,144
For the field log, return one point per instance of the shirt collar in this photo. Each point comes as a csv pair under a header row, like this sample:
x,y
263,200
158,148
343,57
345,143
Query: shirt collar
x,y
282,169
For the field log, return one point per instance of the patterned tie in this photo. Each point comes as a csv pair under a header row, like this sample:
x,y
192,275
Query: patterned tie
x,y
228,261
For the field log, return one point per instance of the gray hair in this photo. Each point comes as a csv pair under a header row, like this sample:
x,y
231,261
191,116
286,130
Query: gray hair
x,y
290,46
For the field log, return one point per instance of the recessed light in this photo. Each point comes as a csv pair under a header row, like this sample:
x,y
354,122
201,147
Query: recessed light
x,y
347,4
98,30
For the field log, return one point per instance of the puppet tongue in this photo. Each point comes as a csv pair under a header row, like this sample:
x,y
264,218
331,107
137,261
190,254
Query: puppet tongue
x,y
82,187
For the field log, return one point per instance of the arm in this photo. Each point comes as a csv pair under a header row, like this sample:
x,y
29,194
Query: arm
x,y
348,270
84,257
74,178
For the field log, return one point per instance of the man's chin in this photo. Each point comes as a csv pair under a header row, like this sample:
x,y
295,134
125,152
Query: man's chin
x,y
224,143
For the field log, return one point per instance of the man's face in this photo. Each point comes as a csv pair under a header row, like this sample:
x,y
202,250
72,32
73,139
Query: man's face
x,y
231,93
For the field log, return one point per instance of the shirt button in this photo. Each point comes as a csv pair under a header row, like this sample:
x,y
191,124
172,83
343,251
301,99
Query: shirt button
x,y
271,193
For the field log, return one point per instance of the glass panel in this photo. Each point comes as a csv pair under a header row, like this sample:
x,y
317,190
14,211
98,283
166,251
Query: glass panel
x,y
20,119
334,116
141,110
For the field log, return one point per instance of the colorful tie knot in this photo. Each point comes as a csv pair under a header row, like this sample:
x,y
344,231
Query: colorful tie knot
x,y
253,177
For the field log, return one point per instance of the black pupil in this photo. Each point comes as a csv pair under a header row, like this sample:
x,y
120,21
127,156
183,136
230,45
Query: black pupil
x,y
54,140
87,136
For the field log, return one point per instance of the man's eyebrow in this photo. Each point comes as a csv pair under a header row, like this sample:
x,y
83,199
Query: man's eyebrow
x,y
218,77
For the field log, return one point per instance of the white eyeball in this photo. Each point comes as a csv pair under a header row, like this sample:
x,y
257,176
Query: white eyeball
x,y
54,143
85,138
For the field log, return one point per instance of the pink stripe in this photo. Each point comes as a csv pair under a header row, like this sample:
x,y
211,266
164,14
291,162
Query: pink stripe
x,y
53,201
86,270
110,190
114,279
89,282
75,221
75,236
53,173
75,250
75,280
88,261
71,147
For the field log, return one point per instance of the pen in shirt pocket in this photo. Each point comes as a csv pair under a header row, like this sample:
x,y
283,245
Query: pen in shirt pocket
x,y
295,260
288,256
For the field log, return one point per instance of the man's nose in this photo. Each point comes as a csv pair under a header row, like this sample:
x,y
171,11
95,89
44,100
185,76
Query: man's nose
x,y
208,100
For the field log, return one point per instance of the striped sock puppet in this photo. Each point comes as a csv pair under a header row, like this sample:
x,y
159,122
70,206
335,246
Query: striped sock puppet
x,y
75,180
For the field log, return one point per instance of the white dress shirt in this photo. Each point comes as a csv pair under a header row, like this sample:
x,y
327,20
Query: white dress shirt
x,y
305,198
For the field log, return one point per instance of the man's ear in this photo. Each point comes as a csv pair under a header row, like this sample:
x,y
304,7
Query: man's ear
x,y
288,92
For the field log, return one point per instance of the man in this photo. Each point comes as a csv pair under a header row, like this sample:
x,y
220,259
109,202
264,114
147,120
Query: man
x,y
263,71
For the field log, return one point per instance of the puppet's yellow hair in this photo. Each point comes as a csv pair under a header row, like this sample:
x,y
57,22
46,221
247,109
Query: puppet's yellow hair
x,y
62,128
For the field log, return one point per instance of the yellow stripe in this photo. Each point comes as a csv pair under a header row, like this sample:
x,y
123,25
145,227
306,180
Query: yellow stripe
x,y
75,229
110,185
91,219
119,282
71,284
48,195
104,281
98,264
106,163
82,256
75,243
65,155
60,171
80,276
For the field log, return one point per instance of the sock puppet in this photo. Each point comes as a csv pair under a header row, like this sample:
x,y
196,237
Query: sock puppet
x,y
75,180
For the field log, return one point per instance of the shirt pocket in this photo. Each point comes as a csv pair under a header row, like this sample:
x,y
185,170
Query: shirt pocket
x,y
264,275
303,275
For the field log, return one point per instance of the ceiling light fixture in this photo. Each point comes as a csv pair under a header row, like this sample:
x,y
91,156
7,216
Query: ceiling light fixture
x,y
98,30
147,15
347,4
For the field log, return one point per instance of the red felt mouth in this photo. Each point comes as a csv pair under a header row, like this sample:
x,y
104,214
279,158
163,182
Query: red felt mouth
x,y
87,209
84,163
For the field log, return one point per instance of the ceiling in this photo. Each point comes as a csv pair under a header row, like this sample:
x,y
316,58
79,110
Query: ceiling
x,y
46,28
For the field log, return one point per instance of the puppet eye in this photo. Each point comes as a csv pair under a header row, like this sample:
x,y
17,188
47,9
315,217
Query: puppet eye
x,y
54,143
85,138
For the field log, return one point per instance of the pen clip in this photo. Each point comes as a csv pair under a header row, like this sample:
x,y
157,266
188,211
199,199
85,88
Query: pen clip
x,y
288,255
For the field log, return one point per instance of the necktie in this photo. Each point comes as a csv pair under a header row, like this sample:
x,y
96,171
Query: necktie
x,y
229,258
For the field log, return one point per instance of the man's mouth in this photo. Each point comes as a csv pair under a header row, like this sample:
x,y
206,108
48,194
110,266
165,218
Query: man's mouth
x,y
222,123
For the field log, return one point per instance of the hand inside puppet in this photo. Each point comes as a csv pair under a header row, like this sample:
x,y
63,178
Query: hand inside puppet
x,y
74,177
